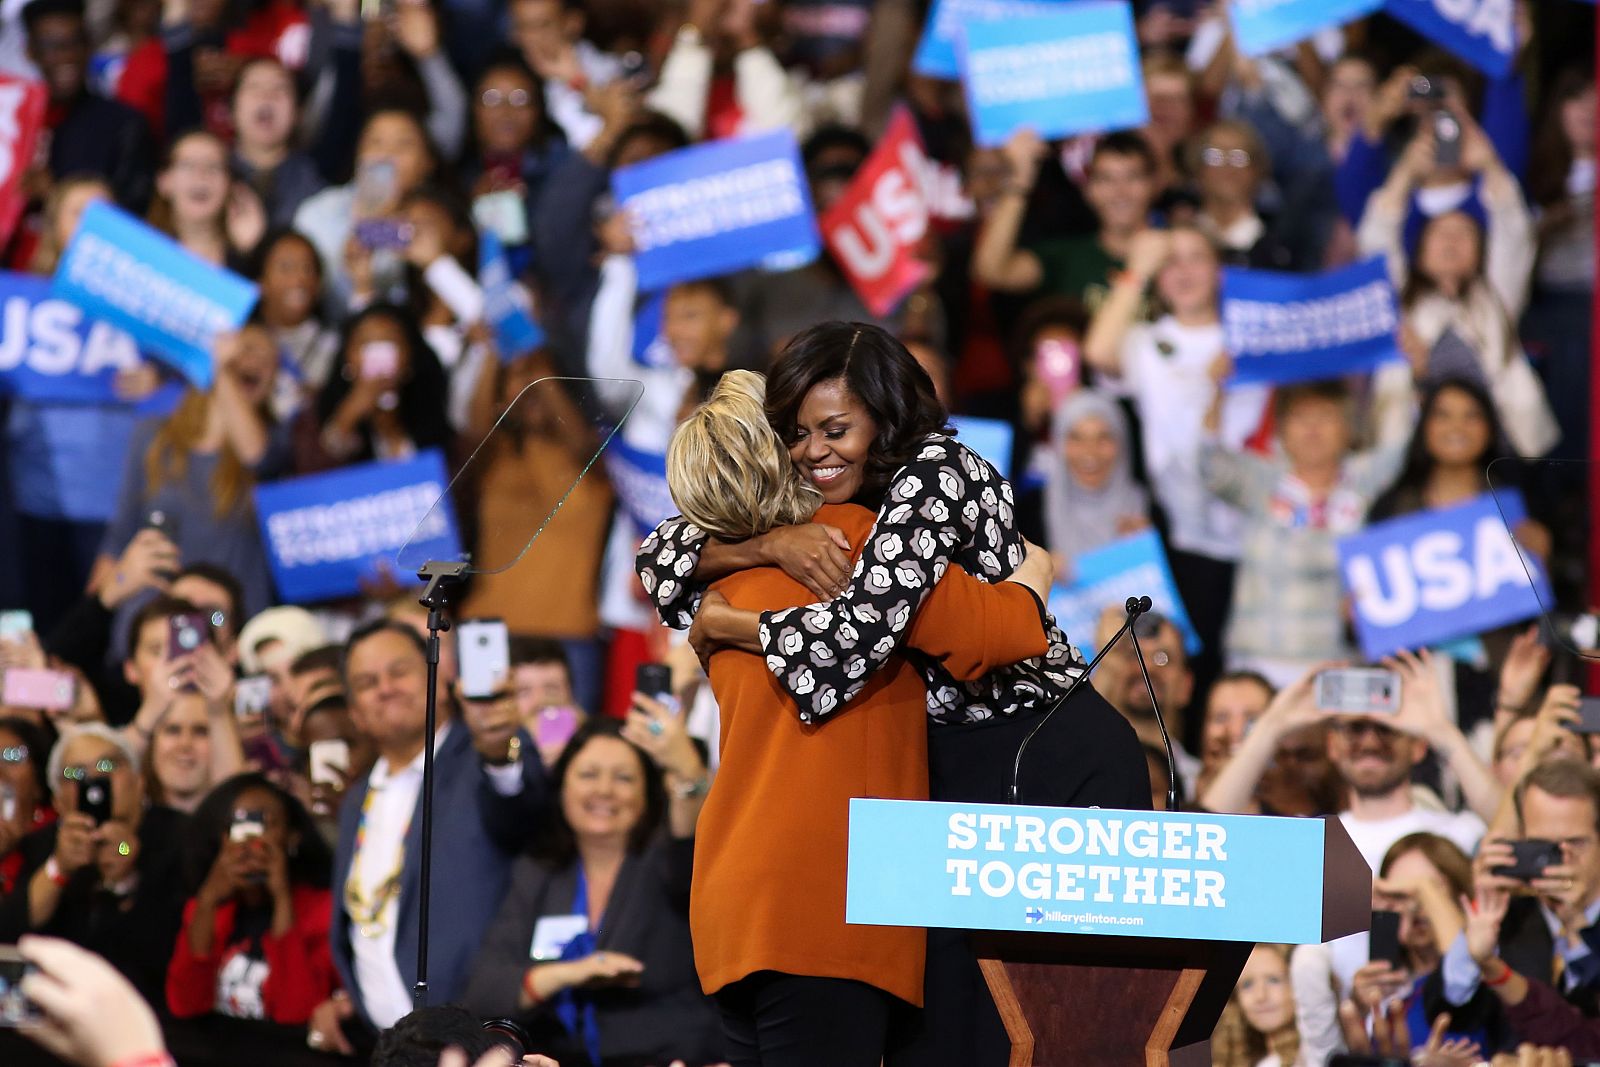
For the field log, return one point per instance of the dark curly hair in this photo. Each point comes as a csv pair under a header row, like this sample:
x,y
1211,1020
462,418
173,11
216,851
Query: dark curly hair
x,y
422,394
311,863
878,371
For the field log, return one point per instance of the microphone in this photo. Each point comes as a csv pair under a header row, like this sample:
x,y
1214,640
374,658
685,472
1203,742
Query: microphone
x,y
1155,706
1135,607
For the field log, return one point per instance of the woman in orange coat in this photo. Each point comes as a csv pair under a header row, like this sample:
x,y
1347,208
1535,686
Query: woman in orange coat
x,y
795,984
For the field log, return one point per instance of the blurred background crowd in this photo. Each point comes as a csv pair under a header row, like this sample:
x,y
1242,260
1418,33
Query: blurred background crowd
x,y
349,156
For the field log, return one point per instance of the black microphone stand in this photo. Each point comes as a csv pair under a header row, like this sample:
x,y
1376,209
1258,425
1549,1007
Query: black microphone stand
x,y
443,579
1135,607
1161,722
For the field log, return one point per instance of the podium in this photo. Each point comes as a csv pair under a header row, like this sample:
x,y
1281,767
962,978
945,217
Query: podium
x,y
1106,937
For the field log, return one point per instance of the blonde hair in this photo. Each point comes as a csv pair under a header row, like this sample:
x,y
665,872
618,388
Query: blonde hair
x,y
728,472
1238,1044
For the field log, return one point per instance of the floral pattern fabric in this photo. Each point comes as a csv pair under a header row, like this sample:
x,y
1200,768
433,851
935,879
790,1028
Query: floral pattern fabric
x,y
948,505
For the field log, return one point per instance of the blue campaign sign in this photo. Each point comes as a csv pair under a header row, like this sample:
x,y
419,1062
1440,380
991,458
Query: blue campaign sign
x,y
51,352
1262,26
1439,575
325,533
935,56
505,305
715,208
1087,870
1073,70
992,439
173,303
1482,32
1285,328
650,347
1107,577
639,478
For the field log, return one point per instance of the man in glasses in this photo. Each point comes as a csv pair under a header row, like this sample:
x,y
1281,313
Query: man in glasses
x,y
107,874
1230,163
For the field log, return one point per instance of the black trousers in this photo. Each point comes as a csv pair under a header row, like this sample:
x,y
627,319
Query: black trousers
x,y
1086,755
786,1020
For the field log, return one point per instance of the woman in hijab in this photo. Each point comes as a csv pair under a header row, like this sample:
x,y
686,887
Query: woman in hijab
x,y
1090,497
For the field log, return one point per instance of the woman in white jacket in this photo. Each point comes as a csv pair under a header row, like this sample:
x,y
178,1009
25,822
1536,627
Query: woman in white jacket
x,y
1464,278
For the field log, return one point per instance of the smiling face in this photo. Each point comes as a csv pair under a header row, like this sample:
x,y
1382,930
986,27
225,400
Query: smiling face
x,y
1456,429
1120,189
195,183
388,692
264,105
1188,282
833,437
602,795
1264,993
1090,449
289,282
180,751
1374,757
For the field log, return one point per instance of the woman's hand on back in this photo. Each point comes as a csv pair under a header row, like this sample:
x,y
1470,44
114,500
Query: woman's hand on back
x,y
814,554
1036,571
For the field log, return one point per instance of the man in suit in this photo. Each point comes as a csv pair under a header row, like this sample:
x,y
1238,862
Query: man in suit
x,y
1553,935
377,868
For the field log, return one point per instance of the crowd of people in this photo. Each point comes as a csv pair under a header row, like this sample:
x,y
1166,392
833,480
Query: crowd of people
x,y
221,800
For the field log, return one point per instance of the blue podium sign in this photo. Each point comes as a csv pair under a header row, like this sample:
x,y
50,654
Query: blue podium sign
x,y
1145,874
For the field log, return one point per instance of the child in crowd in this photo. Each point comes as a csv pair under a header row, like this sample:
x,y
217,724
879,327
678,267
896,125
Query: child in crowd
x,y
1296,509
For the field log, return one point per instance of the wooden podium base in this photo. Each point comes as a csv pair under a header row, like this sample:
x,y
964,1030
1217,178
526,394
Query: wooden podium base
x,y
1067,1000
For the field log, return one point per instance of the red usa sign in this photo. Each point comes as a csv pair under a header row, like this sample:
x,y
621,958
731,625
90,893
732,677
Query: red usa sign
x,y
873,229
22,105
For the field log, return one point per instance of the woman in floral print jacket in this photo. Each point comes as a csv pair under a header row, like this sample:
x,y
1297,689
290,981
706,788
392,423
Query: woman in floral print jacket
x,y
863,424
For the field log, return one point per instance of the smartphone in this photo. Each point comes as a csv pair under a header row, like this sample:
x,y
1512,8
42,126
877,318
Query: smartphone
x,y
380,359
1057,364
634,69
247,823
16,1010
483,647
377,183
1588,716
653,680
14,624
555,726
28,687
1358,691
1531,858
330,762
8,803
251,696
1423,88
1384,945
384,234
94,798
1446,139
187,632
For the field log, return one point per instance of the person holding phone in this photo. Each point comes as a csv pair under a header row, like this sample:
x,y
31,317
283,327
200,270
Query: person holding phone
x,y
1417,916
1464,272
24,792
384,400
254,942
107,874
1549,929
